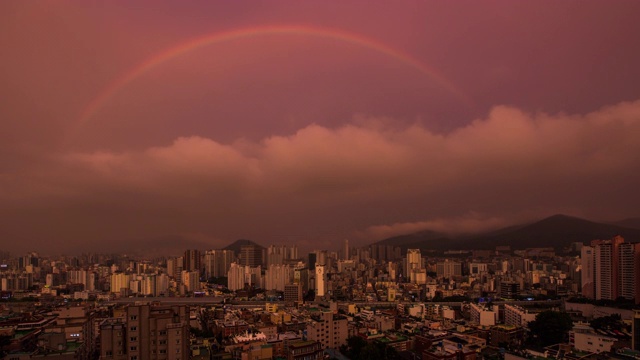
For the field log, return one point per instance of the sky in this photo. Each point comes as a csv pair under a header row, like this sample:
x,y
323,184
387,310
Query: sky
x,y
154,126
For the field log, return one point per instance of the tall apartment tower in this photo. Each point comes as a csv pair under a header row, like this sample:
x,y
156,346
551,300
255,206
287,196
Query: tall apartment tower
x,y
148,332
218,262
313,257
251,255
191,260
588,273
346,250
610,269
413,261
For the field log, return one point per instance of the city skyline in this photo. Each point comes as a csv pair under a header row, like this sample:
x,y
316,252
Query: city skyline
x,y
293,123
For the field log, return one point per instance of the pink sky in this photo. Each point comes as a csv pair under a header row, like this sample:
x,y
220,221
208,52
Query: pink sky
x,y
466,115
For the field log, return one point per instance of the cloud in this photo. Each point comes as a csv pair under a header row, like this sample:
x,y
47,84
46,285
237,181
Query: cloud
x,y
467,224
342,180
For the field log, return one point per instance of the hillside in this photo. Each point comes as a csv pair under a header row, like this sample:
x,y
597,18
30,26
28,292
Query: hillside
x,y
557,231
633,223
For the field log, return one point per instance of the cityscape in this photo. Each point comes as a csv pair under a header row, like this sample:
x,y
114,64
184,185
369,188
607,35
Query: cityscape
x,y
306,180
247,301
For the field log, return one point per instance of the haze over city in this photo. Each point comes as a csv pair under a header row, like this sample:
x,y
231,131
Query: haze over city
x,y
130,126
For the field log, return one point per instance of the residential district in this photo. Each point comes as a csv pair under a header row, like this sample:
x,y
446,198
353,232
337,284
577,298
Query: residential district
x,y
377,302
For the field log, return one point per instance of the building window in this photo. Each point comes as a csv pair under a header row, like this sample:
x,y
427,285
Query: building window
x,y
134,338
133,317
134,348
134,328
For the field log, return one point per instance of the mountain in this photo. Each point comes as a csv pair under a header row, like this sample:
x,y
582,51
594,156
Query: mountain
x,y
236,245
557,231
424,236
633,223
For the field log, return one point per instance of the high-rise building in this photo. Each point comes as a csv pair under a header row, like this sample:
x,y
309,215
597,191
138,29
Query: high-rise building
x,y
448,268
84,277
192,260
174,267
217,262
313,257
345,250
626,271
321,280
147,332
412,261
609,269
119,282
279,254
251,255
277,276
236,277
191,280
588,272
239,275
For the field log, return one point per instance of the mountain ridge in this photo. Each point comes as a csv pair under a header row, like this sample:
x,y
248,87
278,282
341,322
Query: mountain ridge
x,y
558,231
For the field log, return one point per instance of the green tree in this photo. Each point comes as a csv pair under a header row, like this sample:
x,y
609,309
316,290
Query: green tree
x,y
550,327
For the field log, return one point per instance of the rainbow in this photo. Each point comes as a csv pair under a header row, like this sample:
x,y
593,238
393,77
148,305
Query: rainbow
x,y
108,92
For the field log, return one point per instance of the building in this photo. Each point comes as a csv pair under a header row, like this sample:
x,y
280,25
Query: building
x,y
279,254
146,332
609,269
517,316
119,282
321,280
218,262
236,277
509,289
305,350
328,329
412,261
584,338
447,349
292,292
504,334
191,280
588,262
479,314
277,276
448,269
191,260
251,255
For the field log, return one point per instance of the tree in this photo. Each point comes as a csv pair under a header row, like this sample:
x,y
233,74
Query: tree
x,y
550,327
358,349
354,346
